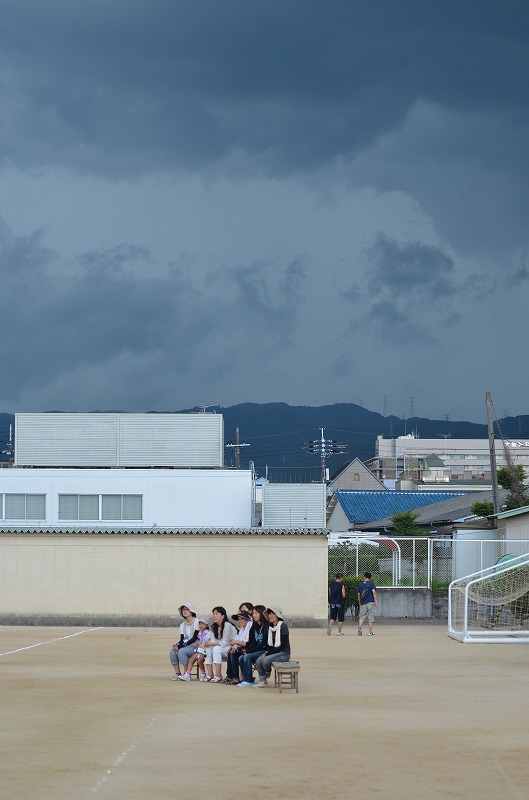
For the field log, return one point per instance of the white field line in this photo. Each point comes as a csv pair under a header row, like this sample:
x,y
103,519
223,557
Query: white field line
x,y
50,641
121,759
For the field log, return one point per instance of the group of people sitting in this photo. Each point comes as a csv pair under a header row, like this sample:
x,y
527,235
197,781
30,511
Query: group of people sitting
x,y
258,635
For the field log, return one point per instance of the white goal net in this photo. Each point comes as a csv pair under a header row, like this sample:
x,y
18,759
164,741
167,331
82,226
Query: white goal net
x,y
491,605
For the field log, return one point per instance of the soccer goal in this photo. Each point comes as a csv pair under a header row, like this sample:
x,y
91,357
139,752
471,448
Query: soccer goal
x,y
491,605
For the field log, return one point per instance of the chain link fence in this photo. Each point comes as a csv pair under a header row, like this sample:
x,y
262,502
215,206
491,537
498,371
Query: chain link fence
x,y
418,563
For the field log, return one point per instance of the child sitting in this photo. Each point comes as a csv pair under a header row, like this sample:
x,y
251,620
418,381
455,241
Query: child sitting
x,y
199,653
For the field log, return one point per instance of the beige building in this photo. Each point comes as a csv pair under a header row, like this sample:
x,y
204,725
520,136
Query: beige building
x,y
354,475
138,576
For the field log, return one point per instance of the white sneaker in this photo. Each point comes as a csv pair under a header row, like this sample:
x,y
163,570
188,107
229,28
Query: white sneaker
x,y
340,634
370,633
215,680
184,677
175,676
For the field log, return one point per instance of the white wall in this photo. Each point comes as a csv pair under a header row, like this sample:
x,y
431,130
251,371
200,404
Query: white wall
x,y
294,505
338,520
171,497
474,550
119,440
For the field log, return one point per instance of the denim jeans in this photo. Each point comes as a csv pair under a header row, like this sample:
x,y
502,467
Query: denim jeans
x,y
232,668
183,655
246,663
263,663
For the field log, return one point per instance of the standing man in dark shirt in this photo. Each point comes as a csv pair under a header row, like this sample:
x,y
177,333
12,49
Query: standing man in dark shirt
x,y
336,604
368,601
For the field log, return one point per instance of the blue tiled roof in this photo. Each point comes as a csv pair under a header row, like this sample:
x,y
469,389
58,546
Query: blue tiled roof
x,y
366,506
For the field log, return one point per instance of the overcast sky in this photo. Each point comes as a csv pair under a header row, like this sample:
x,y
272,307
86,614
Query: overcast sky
x,y
221,202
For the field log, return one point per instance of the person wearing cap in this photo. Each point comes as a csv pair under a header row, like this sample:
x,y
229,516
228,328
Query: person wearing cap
x,y
248,607
238,643
184,648
255,647
277,645
199,653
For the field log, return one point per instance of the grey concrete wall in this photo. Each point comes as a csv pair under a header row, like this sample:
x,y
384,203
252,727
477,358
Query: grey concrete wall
x,y
402,603
411,604
440,606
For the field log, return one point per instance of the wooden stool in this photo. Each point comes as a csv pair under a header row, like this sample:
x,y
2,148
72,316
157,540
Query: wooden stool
x,y
286,675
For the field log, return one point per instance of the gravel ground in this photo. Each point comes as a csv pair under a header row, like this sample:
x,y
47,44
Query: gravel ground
x,y
408,713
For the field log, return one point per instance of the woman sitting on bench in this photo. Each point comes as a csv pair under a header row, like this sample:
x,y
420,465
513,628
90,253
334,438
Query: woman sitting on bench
x,y
256,645
219,645
277,646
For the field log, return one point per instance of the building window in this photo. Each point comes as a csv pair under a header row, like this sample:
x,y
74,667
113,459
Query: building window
x,y
25,506
132,506
104,507
121,506
111,506
78,506
357,476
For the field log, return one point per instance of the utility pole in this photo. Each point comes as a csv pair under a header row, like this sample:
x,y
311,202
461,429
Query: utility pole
x,y
238,444
325,448
492,453
9,451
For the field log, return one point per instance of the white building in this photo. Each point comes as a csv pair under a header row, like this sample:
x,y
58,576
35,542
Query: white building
x,y
462,459
107,470
104,498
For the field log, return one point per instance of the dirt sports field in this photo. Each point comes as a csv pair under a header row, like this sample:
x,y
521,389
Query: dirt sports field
x,y
408,713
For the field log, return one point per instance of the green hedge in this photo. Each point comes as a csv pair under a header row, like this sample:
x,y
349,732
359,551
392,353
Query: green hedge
x,y
351,591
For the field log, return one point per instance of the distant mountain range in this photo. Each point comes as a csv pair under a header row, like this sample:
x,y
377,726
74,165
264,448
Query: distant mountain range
x,y
276,436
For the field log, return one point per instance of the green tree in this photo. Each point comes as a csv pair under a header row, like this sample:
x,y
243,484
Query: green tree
x,y
513,479
483,508
404,524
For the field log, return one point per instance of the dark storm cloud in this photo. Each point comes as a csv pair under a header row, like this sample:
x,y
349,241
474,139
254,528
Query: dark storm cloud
x,y
209,143
126,87
109,305
519,276
264,301
409,267
21,260
384,320
403,286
